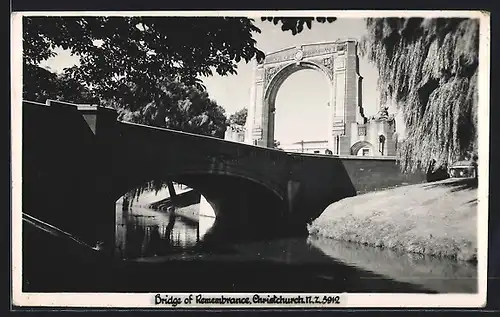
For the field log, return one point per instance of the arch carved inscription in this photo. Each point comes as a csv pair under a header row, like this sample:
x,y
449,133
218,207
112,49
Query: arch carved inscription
x,y
325,64
308,50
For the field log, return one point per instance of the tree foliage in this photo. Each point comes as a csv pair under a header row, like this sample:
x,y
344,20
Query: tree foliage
x,y
296,25
429,67
239,117
179,107
40,84
118,50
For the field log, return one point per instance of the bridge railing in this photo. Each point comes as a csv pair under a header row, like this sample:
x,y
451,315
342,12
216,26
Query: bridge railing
x,y
208,144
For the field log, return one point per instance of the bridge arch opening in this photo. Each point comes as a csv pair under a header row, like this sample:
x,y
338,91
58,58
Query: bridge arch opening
x,y
234,207
287,74
190,177
299,106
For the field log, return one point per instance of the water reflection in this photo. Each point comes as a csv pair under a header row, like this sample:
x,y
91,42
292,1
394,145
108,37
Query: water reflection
x,y
441,275
143,232
153,236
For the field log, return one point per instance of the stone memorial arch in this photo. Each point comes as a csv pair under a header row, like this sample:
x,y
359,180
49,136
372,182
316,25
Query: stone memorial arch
x,y
338,61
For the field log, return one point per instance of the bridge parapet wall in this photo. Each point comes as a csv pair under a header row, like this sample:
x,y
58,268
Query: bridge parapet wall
x,y
376,173
325,179
58,156
322,180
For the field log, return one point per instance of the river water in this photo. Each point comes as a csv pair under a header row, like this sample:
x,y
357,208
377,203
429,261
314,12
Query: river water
x,y
160,241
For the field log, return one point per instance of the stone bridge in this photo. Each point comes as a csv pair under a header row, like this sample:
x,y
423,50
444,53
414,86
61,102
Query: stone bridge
x,y
78,160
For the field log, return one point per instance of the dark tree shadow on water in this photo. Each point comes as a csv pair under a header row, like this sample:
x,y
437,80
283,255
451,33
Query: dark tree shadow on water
x,y
155,241
182,200
455,184
472,201
159,245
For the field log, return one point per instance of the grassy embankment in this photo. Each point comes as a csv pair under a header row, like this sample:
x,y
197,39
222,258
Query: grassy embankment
x,y
437,219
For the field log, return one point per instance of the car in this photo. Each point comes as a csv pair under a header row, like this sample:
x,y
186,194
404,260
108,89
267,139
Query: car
x,y
463,169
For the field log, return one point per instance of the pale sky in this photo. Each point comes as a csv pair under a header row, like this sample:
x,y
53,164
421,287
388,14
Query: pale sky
x,y
301,101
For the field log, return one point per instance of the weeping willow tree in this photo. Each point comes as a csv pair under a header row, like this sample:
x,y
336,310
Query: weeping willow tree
x,y
429,68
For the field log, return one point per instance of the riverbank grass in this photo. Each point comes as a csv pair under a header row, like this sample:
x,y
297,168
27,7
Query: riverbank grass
x,y
438,218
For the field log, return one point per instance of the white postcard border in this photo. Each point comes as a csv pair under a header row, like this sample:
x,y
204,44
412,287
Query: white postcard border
x,y
141,300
